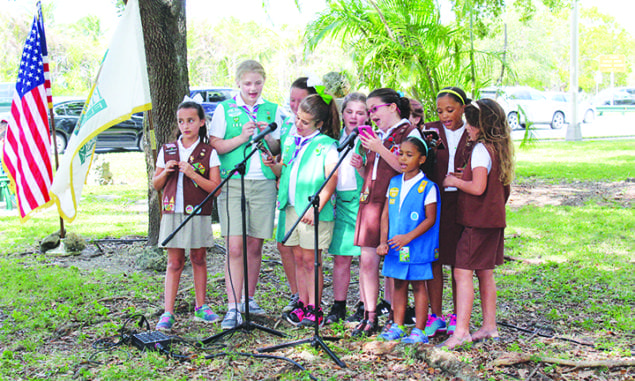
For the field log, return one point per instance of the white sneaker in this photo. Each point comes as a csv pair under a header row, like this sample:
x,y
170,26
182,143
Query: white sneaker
x,y
232,319
254,308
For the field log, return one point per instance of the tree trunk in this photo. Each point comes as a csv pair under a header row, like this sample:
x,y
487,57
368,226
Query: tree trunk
x,y
164,33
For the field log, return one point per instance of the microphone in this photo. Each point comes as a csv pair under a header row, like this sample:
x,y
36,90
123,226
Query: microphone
x,y
270,128
349,141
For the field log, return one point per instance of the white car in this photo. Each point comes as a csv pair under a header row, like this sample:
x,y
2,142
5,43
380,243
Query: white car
x,y
525,104
586,111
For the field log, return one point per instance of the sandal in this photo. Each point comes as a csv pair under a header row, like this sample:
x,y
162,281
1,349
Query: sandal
x,y
358,331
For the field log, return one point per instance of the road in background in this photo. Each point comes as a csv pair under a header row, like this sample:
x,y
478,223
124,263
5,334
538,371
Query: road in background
x,y
607,125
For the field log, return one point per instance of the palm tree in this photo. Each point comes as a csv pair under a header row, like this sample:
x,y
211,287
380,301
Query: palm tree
x,y
401,44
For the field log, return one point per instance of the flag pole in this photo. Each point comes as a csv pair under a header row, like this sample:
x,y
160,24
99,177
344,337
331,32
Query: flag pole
x,y
49,98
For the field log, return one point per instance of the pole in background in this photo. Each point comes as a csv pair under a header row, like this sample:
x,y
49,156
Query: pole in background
x,y
573,130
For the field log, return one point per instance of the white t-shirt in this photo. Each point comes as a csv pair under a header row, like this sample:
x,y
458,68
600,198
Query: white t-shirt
x,y
453,143
346,177
184,154
385,135
481,157
218,126
331,158
431,197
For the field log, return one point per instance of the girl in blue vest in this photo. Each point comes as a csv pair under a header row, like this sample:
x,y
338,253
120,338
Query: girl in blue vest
x,y
186,171
308,156
410,238
233,126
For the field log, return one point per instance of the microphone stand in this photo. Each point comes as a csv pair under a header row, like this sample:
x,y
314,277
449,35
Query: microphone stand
x,y
314,202
247,325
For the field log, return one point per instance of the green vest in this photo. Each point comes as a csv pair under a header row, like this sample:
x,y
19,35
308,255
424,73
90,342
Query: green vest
x,y
310,176
286,127
235,119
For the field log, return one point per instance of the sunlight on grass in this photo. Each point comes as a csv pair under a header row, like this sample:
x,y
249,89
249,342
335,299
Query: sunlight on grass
x,y
568,161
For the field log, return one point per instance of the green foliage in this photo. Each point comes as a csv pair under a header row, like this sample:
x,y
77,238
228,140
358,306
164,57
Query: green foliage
x,y
400,44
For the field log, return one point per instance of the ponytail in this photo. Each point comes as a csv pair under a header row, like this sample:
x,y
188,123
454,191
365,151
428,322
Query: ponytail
x,y
323,112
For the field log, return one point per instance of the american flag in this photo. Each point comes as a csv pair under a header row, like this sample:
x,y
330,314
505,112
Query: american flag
x,y
28,141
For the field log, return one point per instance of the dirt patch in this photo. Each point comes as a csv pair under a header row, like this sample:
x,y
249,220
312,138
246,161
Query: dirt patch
x,y
541,193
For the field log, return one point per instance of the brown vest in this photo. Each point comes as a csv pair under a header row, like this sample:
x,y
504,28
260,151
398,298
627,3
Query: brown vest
x,y
488,209
375,190
192,193
463,152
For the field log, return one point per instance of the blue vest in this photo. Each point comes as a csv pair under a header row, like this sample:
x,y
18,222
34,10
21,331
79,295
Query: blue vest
x,y
424,248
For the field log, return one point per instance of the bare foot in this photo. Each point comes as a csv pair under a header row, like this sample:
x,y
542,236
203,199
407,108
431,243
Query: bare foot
x,y
482,335
455,341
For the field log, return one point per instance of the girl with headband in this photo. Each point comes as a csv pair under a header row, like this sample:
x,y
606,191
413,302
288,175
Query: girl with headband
x,y
390,113
452,151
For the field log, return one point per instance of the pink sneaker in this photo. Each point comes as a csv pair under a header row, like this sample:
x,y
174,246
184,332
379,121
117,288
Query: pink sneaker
x,y
296,316
451,324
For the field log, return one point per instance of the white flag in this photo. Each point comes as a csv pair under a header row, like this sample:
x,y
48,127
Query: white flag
x,y
120,90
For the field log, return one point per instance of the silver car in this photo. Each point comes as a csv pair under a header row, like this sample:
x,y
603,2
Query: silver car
x,y
527,105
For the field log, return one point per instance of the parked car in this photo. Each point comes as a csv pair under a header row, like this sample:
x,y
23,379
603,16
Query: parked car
x,y
618,96
125,135
6,96
525,104
586,111
212,97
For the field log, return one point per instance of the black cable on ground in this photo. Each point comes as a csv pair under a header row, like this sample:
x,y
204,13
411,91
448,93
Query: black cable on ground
x,y
255,355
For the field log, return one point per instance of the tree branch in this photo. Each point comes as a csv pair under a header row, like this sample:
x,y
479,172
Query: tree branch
x,y
517,358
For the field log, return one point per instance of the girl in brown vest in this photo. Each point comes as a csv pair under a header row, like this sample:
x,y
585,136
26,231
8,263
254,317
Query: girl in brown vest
x,y
389,112
452,152
186,171
483,191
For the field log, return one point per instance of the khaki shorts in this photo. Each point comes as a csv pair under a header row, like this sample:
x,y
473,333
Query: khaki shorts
x,y
260,197
303,235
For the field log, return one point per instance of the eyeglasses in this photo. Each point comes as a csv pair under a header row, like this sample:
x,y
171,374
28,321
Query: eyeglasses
x,y
373,109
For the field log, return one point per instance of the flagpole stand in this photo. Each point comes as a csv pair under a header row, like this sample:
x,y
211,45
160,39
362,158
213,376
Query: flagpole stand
x,y
60,250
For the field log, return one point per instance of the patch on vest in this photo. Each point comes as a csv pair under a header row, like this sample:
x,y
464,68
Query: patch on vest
x,y
168,205
170,149
199,167
422,186
414,216
436,253
393,192
234,111
189,209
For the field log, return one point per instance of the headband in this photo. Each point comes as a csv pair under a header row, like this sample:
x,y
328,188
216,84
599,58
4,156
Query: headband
x,y
450,91
315,82
198,98
425,146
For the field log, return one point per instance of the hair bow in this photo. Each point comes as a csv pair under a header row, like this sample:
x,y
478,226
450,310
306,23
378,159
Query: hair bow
x,y
198,98
316,83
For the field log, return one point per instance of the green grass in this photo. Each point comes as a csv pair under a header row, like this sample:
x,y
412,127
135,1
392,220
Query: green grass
x,y
576,274
605,160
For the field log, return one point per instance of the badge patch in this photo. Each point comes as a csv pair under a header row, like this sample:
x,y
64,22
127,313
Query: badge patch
x,y
404,254
234,112
422,186
393,192
189,209
414,216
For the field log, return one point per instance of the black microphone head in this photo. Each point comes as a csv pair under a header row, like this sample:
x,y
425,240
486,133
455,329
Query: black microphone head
x,y
273,126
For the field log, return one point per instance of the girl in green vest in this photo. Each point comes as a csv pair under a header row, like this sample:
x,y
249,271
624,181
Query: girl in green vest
x,y
308,156
233,126
299,91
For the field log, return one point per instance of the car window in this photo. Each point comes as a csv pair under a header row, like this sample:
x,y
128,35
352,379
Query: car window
x,y
74,108
215,96
521,95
